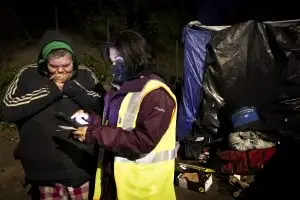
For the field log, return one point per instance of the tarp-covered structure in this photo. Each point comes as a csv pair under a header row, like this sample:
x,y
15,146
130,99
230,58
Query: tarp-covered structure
x,y
246,64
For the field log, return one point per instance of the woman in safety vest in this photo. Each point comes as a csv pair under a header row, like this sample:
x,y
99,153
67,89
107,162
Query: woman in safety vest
x,y
137,129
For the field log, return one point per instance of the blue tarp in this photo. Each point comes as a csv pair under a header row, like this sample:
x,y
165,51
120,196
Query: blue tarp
x,y
195,41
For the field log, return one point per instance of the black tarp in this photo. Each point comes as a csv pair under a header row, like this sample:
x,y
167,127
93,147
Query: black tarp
x,y
255,64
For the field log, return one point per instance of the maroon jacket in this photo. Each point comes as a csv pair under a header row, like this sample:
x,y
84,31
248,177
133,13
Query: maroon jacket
x,y
152,122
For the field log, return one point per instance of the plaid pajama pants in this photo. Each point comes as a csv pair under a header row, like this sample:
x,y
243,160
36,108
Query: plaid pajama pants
x,y
61,192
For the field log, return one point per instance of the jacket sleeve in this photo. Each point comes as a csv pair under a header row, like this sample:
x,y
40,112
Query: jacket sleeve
x,y
24,97
85,93
153,121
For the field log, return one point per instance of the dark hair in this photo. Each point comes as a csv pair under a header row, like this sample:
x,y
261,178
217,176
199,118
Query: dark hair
x,y
134,50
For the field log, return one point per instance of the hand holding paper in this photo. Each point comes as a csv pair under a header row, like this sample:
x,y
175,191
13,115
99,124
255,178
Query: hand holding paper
x,y
81,117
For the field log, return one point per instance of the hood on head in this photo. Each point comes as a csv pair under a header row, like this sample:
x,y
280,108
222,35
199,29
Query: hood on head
x,y
53,40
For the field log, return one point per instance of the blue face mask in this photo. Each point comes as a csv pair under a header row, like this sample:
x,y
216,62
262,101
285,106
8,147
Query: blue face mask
x,y
119,72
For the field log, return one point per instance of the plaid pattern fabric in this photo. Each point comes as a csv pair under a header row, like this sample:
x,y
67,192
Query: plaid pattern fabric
x,y
61,192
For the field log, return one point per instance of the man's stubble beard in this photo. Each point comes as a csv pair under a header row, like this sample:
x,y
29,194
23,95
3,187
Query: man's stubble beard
x,y
62,77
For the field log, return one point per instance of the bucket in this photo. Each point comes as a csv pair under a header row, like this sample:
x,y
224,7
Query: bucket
x,y
244,116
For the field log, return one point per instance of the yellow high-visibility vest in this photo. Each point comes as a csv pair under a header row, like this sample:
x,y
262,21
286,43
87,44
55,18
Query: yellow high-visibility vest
x,y
150,177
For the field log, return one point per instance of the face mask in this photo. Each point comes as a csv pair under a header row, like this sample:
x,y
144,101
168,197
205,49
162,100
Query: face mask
x,y
119,71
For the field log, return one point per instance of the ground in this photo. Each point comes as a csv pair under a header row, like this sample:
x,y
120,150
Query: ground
x,y
12,176
11,172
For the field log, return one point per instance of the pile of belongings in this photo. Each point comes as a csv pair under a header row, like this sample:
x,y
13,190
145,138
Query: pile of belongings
x,y
241,182
248,150
248,88
191,175
195,147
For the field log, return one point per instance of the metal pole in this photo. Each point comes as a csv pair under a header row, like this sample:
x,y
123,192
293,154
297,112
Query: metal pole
x,y
56,17
107,31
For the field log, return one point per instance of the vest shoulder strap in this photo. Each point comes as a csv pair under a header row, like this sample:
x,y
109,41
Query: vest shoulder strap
x,y
132,102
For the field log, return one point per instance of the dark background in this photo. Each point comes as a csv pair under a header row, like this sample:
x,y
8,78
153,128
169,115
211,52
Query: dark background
x,y
159,20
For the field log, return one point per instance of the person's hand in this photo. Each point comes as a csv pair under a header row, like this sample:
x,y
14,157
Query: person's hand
x,y
60,85
80,133
60,79
81,117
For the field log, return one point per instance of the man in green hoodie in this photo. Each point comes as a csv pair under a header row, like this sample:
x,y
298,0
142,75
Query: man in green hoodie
x,y
55,84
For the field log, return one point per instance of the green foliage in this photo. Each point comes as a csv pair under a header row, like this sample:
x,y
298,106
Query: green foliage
x,y
7,75
96,63
163,28
160,21
7,127
6,78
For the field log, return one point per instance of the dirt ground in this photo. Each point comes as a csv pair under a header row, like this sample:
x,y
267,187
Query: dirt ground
x,y
12,175
11,172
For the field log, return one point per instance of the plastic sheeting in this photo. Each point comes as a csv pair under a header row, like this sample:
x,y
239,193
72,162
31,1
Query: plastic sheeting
x,y
195,41
252,64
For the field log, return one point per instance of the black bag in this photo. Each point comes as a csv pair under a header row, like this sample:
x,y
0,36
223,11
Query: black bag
x,y
193,145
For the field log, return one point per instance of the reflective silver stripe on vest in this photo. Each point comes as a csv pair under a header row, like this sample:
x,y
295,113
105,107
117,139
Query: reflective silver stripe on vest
x,y
128,120
151,157
127,123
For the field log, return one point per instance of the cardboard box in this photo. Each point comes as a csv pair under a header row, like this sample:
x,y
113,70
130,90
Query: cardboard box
x,y
203,184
